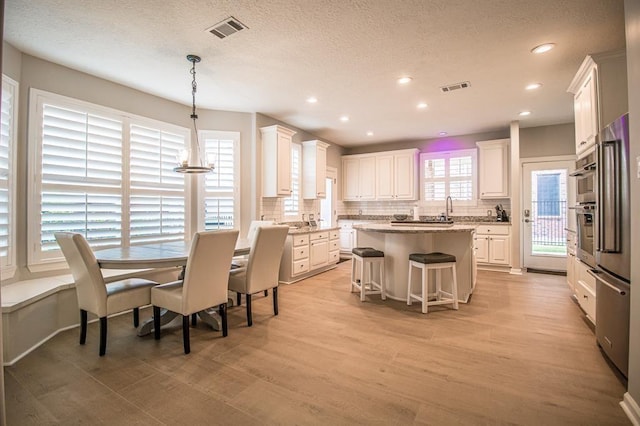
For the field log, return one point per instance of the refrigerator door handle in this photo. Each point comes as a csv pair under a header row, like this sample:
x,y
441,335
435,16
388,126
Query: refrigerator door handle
x,y
609,198
597,275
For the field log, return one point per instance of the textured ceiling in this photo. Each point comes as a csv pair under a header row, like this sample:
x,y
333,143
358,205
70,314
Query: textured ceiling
x,y
346,53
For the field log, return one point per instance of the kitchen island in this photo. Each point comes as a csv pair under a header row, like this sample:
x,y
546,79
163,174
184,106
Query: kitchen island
x,y
398,241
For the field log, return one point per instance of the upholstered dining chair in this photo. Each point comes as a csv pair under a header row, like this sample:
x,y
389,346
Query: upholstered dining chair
x,y
263,266
96,296
241,261
204,284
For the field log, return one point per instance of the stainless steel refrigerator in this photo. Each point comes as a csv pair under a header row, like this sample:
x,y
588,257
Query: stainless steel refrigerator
x,y
613,257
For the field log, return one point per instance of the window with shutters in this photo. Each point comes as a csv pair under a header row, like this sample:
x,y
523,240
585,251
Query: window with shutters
x,y
292,203
222,185
452,173
102,173
8,132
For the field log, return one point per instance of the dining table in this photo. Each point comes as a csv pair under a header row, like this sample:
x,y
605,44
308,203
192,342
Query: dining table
x,y
161,255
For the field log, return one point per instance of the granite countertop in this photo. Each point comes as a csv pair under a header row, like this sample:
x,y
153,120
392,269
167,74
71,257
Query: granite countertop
x,y
458,220
311,229
413,229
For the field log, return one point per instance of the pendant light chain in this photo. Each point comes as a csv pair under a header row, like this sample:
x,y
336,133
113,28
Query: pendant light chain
x,y
194,116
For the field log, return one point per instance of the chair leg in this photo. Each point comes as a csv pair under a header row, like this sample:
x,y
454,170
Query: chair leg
x,y
275,301
156,322
103,336
83,326
238,299
222,310
194,320
266,293
249,318
185,334
136,317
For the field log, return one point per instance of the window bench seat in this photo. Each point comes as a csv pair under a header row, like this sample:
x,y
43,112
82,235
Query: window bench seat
x,y
33,311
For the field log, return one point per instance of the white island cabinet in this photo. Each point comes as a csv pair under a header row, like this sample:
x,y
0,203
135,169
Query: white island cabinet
x,y
309,251
398,242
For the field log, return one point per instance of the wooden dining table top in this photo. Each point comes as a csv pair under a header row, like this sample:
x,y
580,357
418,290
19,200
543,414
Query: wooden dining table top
x,y
154,255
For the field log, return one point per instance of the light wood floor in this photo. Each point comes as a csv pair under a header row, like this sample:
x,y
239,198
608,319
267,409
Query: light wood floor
x,y
519,353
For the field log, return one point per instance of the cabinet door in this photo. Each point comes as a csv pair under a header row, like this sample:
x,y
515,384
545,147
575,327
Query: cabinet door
x,y
367,180
284,164
319,254
571,271
321,172
385,177
493,168
482,248
346,240
499,250
404,176
350,179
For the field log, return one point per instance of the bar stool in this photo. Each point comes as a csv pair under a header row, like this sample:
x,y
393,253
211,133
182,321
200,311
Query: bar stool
x,y
363,259
427,262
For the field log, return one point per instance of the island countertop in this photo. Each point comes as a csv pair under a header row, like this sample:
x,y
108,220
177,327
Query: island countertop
x,y
413,229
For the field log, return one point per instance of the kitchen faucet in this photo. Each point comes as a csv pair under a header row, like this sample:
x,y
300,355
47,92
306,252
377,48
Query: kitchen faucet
x,y
448,202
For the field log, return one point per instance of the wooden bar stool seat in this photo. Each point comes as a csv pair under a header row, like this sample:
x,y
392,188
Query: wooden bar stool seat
x,y
427,262
363,259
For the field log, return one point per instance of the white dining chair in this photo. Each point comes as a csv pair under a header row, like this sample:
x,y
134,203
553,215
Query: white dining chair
x,y
241,261
96,296
263,266
204,284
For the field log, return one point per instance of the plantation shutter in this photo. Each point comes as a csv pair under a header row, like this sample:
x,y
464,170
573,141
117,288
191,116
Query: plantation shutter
x,y
291,203
157,200
7,138
219,185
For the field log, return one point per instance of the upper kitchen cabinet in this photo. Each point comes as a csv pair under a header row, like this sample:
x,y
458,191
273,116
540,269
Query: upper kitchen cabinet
x,y
397,175
358,177
600,95
493,168
276,161
314,169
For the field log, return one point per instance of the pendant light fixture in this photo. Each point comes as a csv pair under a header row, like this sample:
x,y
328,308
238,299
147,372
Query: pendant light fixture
x,y
184,155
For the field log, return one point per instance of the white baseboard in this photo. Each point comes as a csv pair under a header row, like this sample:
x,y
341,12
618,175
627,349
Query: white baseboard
x,y
36,346
631,409
515,271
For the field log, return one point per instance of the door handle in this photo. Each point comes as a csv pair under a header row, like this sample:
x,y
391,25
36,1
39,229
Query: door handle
x,y
528,220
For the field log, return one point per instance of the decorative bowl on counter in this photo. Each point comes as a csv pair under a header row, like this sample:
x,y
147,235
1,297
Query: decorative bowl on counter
x,y
400,216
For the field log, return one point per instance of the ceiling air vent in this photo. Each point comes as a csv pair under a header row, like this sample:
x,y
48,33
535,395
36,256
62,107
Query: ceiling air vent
x,y
227,27
455,86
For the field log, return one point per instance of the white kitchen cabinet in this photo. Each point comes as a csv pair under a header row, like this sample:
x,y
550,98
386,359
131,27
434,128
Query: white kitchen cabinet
x,y
314,169
600,96
276,161
358,177
586,290
309,253
571,260
397,175
493,168
493,245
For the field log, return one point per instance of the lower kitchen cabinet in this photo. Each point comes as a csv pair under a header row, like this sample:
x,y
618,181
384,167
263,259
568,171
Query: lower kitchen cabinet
x,y
309,253
586,290
571,260
493,245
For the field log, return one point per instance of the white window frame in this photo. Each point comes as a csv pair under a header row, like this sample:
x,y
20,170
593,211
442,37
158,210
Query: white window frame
x,y
296,186
38,260
8,264
202,194
446,155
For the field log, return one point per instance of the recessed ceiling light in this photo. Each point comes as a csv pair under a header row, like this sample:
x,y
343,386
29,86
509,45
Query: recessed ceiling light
x,y
533,86
404,80
369,133
344,118
442,133
543,48
312,100
422,105
524,113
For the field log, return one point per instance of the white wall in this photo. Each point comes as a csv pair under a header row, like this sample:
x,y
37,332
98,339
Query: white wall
x,y
632,18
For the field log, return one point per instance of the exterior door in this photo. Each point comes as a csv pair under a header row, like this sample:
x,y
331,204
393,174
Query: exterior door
x,y
547,194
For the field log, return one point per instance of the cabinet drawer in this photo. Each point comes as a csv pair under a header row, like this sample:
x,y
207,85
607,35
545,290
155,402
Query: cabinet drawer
x,y
300,267
299,240
334,245
493,229
334,256
584,277
319,236
301,252
334,235
587,299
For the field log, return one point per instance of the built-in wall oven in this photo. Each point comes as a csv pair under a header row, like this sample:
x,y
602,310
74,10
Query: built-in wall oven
x,y
585,175
585,232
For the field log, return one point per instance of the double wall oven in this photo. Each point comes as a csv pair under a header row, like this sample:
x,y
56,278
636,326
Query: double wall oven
x,y
586,177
